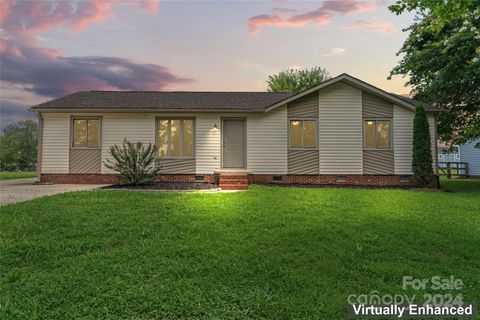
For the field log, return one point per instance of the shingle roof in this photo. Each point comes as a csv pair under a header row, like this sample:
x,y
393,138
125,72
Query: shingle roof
x,y
204,100
167,100
414,102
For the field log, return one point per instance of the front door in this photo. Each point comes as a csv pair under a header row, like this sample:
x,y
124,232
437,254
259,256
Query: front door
x,y
233,143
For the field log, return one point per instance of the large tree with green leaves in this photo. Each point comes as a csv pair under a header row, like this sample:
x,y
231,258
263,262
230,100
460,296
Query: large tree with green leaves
x,y
18,146
297,80
441,57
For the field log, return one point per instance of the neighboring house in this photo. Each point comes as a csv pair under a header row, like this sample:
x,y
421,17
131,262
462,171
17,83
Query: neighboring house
x,y
444,155
471,155
343,131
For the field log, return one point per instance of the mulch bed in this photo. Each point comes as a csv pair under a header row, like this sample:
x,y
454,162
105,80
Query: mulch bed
x,y
183,186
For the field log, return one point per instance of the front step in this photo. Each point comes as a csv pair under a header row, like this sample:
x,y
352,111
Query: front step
x,y
233,181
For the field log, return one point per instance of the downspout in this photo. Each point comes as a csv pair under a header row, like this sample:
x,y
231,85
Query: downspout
x,y
436,143
39,146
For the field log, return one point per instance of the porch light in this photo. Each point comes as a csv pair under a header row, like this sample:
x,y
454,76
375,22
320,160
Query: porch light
x,y
215,127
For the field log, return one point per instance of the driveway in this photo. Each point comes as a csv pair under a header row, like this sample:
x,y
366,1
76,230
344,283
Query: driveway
x,y
18,190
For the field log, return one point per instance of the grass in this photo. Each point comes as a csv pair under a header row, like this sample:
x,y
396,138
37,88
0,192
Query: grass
x,y
461,185
17,175
270,252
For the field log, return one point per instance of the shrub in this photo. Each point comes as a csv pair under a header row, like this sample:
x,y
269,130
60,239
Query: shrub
x,y
422,152
134,162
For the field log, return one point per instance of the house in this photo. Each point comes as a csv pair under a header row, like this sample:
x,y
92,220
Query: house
x,y
471,155
343,131
447,155
465,157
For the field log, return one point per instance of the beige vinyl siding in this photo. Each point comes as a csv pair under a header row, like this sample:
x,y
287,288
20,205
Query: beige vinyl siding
x,y
305,107
117,126
303,162
85,160
178,166
402,139
267,137
378,162
207,143
340,130
374,107
56,143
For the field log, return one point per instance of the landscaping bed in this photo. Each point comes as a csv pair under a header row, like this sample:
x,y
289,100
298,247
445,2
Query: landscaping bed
x,y
159,186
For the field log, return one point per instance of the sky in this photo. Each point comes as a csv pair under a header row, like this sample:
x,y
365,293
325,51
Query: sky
x,y
54,48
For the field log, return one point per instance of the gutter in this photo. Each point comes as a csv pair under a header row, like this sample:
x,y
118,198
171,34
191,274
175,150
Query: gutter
x,y
65,110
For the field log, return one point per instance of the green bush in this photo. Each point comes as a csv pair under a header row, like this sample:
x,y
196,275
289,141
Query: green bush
x,y
422,152
18,146
134,162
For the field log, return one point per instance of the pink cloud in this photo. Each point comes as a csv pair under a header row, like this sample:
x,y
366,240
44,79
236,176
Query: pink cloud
x,y
93,11
4,9
28,17
378,26
45,71
150,5
282,17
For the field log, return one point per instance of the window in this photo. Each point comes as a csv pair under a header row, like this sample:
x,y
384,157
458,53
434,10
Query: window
x,y
376,134
175,138
86,133
303,134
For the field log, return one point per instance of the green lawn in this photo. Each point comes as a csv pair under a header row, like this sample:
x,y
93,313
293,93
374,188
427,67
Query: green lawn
x,y
17,175
270,252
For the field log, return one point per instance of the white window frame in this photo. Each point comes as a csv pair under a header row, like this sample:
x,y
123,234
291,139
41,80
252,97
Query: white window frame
x,y
169,137
390,131
316,133
72,132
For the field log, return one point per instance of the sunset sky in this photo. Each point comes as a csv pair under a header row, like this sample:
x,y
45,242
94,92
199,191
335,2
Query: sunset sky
x,y
53,48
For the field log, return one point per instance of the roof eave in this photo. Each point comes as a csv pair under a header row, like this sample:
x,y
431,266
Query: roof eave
x,y
116,110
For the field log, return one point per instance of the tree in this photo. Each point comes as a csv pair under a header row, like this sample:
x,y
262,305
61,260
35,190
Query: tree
x,y
441,57
296,80
422,152
134,162
18,146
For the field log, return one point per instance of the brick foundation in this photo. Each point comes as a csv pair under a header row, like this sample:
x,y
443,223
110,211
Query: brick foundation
x,y
339,180
78,178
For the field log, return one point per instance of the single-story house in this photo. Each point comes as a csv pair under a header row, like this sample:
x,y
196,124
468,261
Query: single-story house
x,y
343,131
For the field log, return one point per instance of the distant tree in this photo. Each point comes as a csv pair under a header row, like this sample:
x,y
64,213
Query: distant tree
x,y
422,151
18,146
134,162
441,58
295,80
